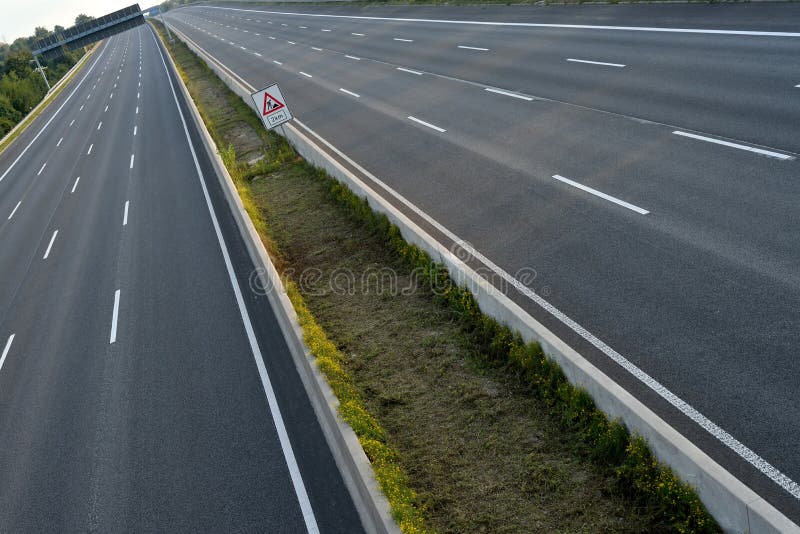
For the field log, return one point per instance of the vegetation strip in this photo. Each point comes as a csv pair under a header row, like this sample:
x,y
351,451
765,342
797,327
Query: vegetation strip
x,y
468,427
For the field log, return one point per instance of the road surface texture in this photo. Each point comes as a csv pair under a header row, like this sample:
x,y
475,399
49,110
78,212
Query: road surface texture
x,y
640,180
130,398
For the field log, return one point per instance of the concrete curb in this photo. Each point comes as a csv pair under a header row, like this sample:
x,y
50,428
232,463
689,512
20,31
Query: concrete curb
x,y
734,505
46,101
352,461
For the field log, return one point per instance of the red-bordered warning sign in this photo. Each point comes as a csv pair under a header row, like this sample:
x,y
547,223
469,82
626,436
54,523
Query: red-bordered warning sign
x,y
271,106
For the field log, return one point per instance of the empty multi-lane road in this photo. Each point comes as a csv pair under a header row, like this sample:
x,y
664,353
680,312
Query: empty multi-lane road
x,y
142,386
637,165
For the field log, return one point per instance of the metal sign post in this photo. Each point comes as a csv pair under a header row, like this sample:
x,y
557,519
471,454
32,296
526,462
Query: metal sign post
x,y
271,106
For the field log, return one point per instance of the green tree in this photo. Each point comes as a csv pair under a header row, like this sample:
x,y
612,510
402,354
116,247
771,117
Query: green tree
x,y
8,115
40,32
23,92
80,19
4,50
21,43
18,61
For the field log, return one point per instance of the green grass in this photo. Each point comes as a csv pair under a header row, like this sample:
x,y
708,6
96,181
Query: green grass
x,y
391,477
469,429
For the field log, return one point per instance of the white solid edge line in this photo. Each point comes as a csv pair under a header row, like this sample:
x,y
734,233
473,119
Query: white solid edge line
x,y
761,151
114,319
349,92
6,350
409,71
353,57
619,65
54,115
50,246
132,157
531,24
429,125
689,411
125,215
506,93
75,186
14,210
280,427
473,48
600,194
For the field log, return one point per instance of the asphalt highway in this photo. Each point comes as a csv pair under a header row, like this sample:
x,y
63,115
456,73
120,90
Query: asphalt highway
x,y
130,395
638,169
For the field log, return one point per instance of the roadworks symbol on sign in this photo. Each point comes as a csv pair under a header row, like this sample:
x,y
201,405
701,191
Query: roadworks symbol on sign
x,y
271,105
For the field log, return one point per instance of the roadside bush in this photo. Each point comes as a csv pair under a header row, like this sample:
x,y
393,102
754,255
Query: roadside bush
x,y
21,87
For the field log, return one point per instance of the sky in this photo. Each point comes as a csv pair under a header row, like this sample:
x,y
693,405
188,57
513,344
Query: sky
x,y
18,18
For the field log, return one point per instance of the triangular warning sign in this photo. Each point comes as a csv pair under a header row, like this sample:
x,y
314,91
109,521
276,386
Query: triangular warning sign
x,y
271,104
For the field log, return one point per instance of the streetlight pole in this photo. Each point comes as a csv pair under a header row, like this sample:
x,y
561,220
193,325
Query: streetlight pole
x,y
161,16
41,71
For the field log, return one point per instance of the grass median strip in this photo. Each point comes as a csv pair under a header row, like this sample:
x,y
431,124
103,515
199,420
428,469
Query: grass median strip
x,y
468,428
